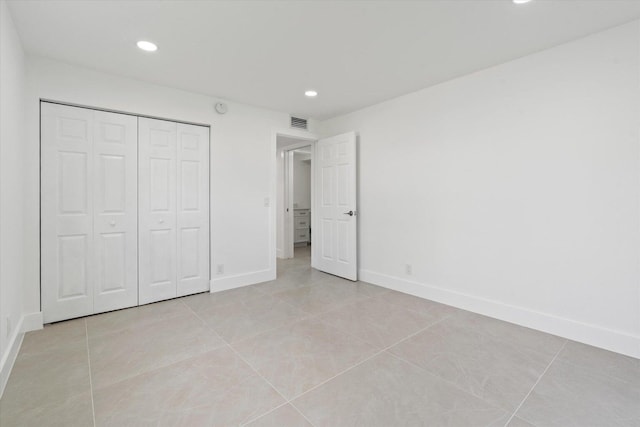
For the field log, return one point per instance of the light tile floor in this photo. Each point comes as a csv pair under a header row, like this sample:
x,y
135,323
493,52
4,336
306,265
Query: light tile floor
x,y
310,349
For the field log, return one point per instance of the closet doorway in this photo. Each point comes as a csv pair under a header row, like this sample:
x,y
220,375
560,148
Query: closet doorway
x,y
124,210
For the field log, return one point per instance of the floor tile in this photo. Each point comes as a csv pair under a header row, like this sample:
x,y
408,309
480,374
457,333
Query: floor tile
x,y
55,336
141,317
519,422
312,335
40,378
494,369
211,301
284,416
385,391
235,322
501,422
291,264
70,411
213,389
289,280
568,395
302,254
128,352
320,296
602,361
297,357
523,337
358,287
379,323
416,304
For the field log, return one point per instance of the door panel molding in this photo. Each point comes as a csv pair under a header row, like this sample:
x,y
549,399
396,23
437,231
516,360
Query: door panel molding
x,y
94,232
336,206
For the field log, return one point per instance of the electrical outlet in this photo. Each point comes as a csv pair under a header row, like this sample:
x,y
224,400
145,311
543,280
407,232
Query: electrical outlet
x,y
220,269
408,269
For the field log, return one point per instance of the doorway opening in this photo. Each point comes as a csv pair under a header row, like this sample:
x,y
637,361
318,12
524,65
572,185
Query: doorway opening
x,y
295,199
333,224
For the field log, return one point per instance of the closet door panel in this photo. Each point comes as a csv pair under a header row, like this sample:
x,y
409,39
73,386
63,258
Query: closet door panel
x,y
115,200
67,212
157,210
193,209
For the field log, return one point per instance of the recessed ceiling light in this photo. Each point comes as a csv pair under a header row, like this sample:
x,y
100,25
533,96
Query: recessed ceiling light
x,y
148,46
521,1
311,93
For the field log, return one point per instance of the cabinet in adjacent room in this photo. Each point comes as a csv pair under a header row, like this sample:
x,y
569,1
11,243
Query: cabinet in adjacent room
x,y
302,227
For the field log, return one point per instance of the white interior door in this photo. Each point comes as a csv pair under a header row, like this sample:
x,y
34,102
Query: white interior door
x,y
67,212
115,211
335,210
157,209
193,209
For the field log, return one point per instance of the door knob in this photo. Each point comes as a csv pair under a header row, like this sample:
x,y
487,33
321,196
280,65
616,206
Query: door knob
x,y
112,223
350,213
161,221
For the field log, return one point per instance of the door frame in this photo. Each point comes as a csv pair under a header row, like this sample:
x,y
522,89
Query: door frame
x,y
308,138
288,226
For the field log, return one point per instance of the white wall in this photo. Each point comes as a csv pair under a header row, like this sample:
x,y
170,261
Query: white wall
x,y
242,152
12,87
301,180
513,191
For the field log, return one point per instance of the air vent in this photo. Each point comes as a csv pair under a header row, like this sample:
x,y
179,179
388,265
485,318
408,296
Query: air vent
x,y
298,123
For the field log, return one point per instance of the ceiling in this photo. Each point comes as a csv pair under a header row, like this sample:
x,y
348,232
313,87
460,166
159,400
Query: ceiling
x,y
267,53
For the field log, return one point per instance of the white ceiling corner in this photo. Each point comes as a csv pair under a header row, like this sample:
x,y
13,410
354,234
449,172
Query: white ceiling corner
x,y
267,53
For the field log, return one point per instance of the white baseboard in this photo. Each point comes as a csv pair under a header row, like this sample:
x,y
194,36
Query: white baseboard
x,y
240,280
32,322
9,357
617,341
279,253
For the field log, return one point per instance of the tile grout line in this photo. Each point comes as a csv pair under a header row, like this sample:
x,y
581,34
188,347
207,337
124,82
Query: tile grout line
x,y
255,370
93,406
597,374
448,382
300,412
168,364
352,335
483,333
338,305
264,415
536,383
472,393
286,401
305,316
363,361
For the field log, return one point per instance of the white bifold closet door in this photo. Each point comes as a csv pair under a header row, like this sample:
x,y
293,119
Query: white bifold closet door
x,y
173,209
88,211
